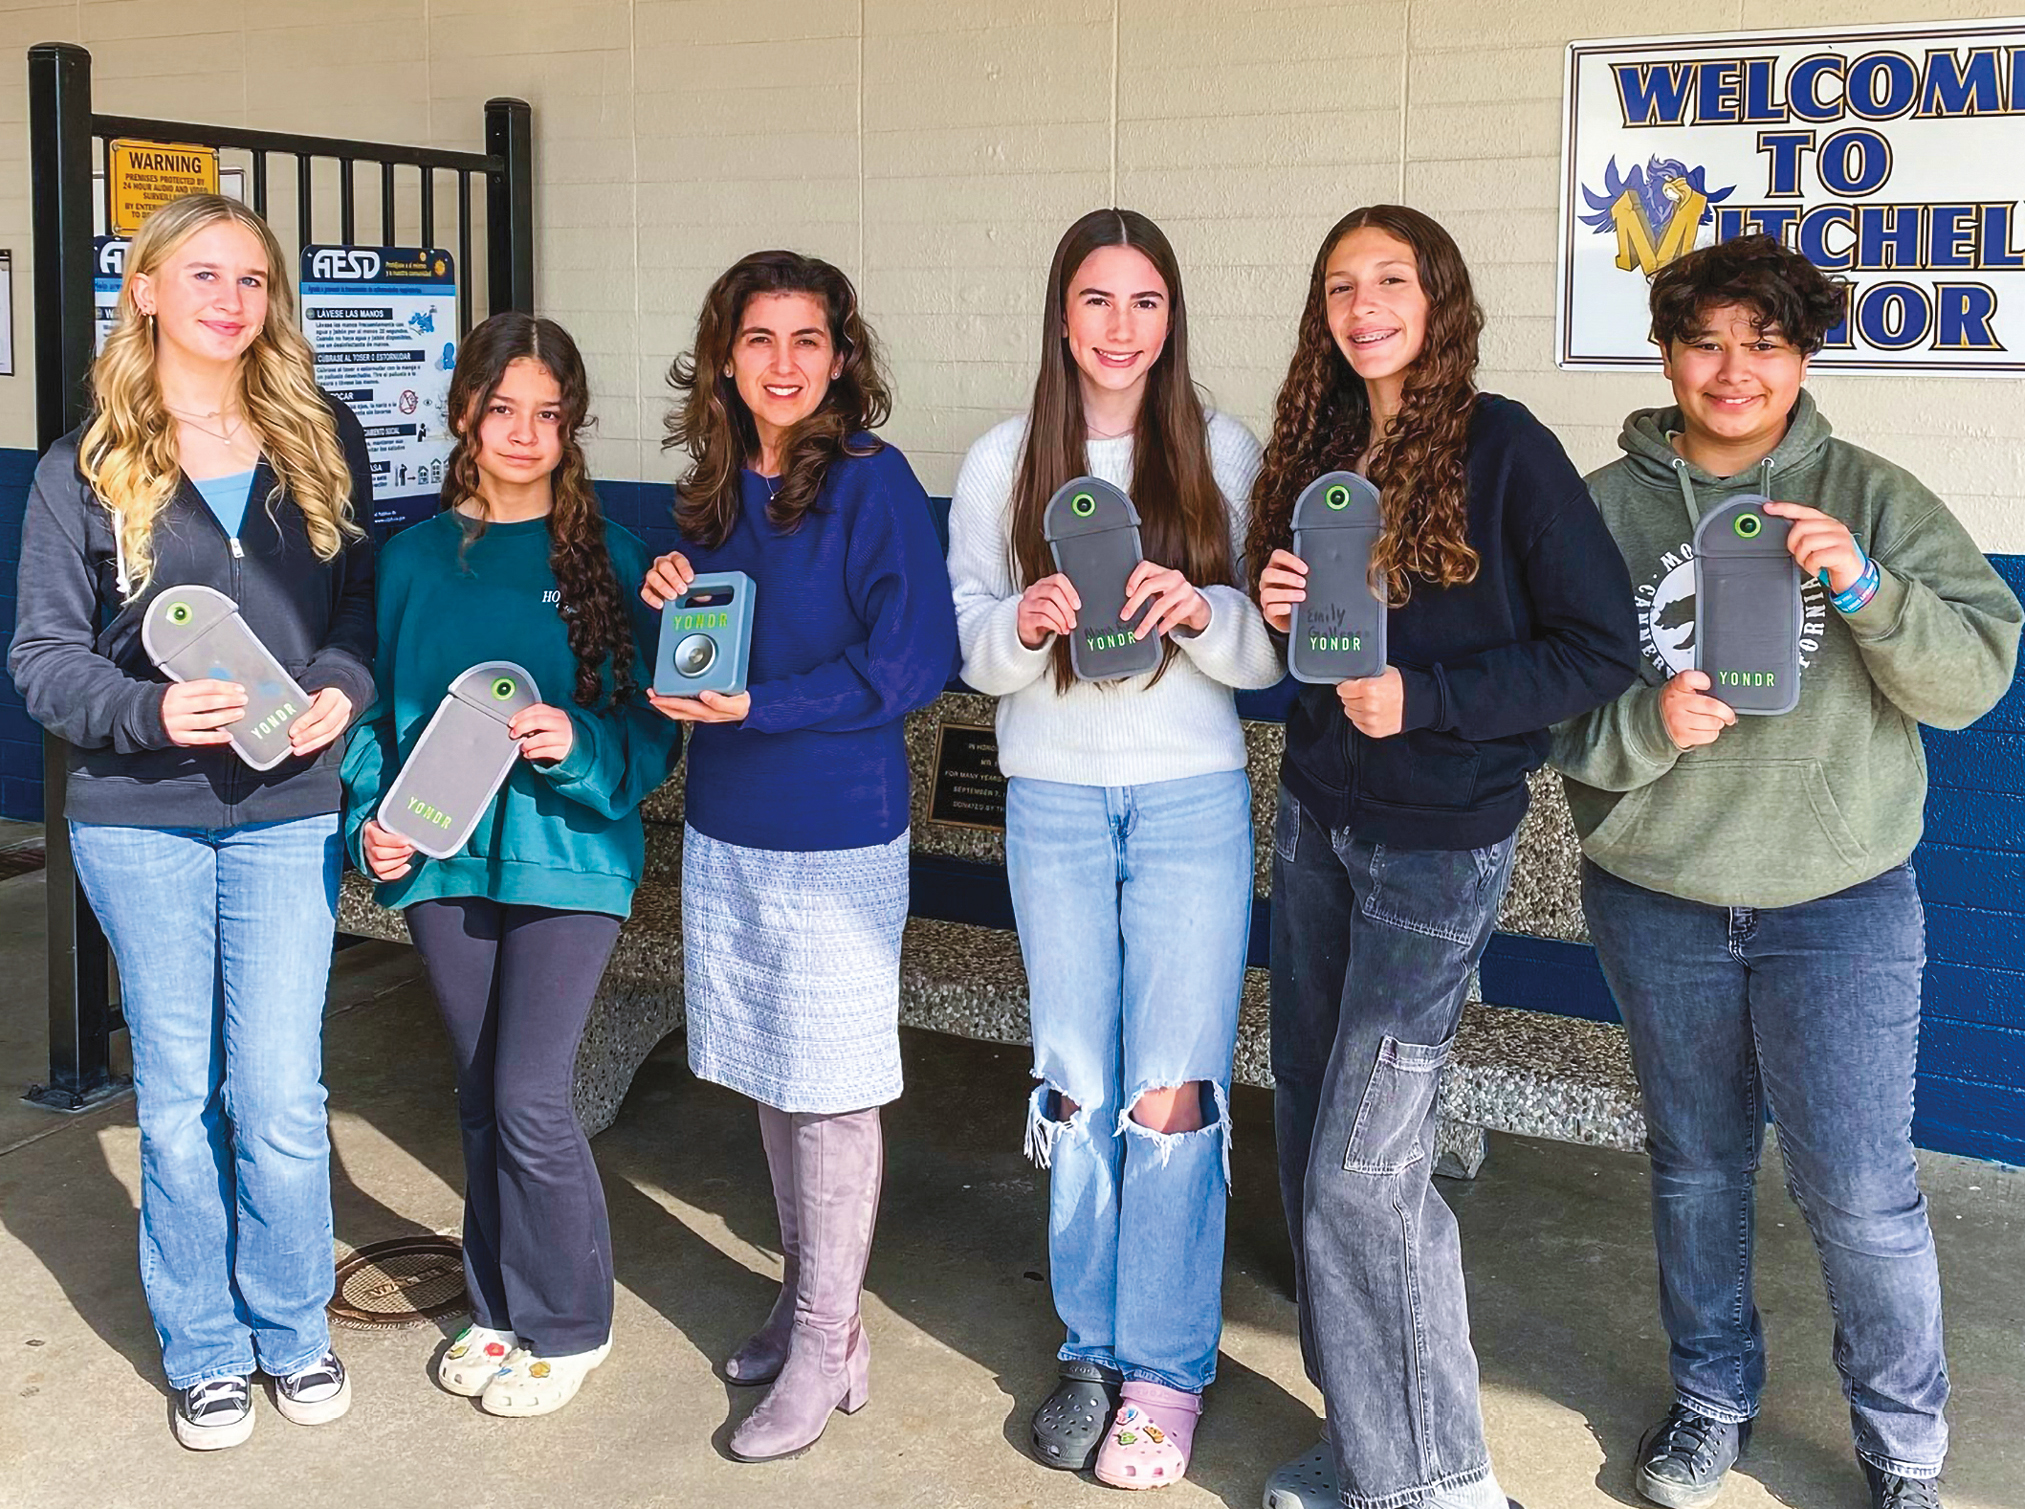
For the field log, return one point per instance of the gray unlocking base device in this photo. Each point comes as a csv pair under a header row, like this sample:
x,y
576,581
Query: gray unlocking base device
x,y
461,760
193,633
1338,633
1093,531
706,637
1747,608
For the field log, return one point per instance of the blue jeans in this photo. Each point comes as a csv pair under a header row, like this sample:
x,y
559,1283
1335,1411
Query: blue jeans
x,y
1372,952
223,938
1810,1012
1134,908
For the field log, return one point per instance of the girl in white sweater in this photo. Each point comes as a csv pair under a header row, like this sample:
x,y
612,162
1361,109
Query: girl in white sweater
x,y
1128,837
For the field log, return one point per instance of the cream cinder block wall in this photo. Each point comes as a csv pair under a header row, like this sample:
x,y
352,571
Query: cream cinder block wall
x,y
936,148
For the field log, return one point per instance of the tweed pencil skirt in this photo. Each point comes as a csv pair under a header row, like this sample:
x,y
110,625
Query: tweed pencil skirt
x,y
791,971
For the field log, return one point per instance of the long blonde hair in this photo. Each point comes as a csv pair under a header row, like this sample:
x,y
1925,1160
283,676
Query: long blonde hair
x,y
128,453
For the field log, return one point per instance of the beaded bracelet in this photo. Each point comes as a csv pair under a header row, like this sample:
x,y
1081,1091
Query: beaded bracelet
x,y
1860,591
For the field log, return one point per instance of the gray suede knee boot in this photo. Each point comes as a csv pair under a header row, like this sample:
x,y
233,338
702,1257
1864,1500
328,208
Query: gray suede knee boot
x,y
838,1163
759,1360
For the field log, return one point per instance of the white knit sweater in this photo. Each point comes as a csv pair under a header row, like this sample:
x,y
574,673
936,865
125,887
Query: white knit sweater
x,y
1116,733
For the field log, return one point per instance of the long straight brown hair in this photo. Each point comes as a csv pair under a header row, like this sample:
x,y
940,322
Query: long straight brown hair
x,y
1183,521
712,425
1322,420
596,619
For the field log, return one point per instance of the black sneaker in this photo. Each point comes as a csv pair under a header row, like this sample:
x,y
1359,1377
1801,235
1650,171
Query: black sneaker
x,y
1890,1491
315,1395
214,1414
1682,1459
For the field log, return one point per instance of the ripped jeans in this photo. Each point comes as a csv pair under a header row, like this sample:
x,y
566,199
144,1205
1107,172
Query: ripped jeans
x,y
1134,908
1372,952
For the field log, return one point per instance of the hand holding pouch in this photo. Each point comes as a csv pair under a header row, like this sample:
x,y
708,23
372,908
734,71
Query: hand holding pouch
x,y
461,760
1093,531
1338,633
1747,608
194,633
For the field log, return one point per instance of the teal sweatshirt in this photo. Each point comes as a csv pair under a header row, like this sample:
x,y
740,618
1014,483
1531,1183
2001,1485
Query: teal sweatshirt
x,y
565,835
1783,810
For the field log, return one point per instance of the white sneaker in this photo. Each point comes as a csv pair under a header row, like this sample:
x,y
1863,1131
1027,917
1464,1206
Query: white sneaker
x,y
531,1385
214,1414
473,1359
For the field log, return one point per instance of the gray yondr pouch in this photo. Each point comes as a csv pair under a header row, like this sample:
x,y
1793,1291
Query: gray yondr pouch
x,y
193,633
706,637
1747,608
1093,531
1338,633
461,760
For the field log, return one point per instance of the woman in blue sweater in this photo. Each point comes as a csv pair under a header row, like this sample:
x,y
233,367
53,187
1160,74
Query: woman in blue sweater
x,y
794,849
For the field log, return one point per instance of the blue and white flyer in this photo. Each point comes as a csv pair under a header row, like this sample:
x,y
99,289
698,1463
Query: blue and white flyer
x,y
383,322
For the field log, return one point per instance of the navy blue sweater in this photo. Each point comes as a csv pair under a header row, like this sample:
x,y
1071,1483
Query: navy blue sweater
x,y
1545,632
853,628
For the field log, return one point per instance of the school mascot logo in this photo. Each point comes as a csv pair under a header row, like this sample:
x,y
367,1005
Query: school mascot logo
x,y
1656,211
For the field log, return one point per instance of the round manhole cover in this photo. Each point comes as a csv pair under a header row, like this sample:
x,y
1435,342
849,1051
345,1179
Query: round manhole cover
x,y
406,1282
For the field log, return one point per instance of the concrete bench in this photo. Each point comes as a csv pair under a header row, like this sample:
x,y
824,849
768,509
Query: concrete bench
x,y
1514,1070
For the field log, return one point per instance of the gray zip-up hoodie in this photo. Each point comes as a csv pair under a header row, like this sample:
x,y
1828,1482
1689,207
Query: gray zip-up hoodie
x,y
1782,810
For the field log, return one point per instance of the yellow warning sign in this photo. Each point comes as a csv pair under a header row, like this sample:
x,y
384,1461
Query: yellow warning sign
x,y
147,174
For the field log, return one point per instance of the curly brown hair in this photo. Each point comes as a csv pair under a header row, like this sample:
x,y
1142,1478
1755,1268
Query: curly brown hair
x,y
593,607
1183,521
1322,420
1782,290
713,425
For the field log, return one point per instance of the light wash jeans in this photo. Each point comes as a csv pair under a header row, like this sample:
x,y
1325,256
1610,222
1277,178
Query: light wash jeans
x,y
223,938
1134,908
1813,1013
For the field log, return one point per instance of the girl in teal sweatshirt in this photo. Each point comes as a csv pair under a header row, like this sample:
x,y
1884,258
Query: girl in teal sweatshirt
x,y
516,927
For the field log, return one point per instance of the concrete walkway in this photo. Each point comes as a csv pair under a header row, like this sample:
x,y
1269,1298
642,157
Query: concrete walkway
x,y
1560,1269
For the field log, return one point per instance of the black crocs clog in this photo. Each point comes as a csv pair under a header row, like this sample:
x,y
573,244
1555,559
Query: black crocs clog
x,y
1069,1428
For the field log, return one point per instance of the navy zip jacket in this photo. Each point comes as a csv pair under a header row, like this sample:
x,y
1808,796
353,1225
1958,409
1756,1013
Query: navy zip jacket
x,y
1545,633
79,663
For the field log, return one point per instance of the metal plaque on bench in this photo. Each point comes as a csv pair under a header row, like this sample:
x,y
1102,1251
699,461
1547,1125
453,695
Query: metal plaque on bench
x,y
968,791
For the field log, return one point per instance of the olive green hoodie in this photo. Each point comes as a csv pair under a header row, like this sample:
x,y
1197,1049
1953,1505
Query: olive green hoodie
x,y
1781,810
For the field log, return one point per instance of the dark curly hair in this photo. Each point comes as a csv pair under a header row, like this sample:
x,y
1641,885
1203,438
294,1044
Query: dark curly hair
x,y
713,425
1182,518
1322,420
1782,290
593,607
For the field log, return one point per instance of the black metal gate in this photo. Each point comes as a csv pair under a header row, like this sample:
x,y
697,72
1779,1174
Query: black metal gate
x,y
66,140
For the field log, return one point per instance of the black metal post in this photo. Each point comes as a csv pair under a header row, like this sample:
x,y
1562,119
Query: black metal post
x,y
60,150
509,205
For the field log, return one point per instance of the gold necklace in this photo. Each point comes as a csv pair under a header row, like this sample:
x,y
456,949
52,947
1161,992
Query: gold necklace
x,y
224,436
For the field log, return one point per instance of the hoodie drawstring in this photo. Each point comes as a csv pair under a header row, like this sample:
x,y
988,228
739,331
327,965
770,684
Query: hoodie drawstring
x,y
1687,490
1687,486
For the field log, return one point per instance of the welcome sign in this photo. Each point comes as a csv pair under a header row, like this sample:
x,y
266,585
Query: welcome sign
x,y
1893,157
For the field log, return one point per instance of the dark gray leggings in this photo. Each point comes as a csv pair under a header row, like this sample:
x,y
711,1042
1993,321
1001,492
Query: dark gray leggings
x,y
514,985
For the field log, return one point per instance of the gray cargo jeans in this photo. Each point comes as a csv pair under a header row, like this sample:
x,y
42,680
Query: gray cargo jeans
x,y
1372,952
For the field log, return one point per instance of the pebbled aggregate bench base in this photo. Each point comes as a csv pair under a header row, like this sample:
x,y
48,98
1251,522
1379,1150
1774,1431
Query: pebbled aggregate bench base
x,y
1513,1071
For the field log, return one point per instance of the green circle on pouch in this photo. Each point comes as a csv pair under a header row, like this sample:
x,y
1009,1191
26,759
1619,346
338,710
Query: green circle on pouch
x,y
503,688
1748,526
1082,505
1338,496
179,613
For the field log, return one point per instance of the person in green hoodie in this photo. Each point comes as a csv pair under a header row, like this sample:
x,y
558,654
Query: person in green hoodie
x,y
516,927
1747,881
